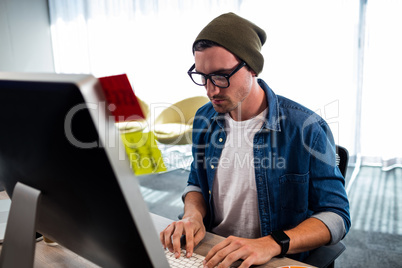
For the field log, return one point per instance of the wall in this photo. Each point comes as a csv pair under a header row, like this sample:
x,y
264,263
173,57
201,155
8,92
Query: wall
x,y
25,41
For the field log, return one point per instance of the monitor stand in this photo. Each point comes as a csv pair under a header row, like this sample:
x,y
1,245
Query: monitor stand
x,y
19,240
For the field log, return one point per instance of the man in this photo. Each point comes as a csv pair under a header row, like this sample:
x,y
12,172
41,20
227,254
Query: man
x,y
264,172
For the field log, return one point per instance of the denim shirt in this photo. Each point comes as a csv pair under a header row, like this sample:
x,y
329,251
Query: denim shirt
x,y
294,161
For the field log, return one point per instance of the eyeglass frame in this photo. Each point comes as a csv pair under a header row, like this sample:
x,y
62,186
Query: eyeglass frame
x,y
209,76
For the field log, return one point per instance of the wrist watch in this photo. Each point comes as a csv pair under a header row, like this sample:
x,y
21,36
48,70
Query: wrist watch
x,y
283,240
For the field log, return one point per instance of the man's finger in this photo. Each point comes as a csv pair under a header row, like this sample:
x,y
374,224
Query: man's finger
x,y
188,228
166,236
236,255
198,237
217,248
178,232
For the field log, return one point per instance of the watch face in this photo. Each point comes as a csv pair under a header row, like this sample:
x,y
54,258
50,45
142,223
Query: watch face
x,y
281,236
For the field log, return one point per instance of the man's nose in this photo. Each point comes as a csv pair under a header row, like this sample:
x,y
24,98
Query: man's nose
x,y
211,88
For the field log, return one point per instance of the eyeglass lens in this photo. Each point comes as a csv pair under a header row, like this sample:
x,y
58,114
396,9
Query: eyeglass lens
x,y
218,80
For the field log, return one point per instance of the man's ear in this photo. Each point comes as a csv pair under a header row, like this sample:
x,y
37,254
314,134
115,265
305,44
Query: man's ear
x,y
253,73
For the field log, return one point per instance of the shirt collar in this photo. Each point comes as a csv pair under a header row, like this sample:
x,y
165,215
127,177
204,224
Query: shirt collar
x,y
273,120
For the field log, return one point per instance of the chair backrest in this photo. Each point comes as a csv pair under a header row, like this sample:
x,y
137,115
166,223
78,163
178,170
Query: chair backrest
x,y
144,107
137,125
182,112
342,159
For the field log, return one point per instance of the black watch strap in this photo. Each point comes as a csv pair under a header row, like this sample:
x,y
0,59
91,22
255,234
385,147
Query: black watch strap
x,y
283,240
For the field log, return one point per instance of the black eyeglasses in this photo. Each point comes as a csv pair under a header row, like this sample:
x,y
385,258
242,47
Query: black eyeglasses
x,y
219,80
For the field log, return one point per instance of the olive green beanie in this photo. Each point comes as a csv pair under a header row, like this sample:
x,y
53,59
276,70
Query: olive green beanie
x,y
238,35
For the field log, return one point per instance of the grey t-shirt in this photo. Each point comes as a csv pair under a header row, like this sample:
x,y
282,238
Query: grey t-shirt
x,y
234,190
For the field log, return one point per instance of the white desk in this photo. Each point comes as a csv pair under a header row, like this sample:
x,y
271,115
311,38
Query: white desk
x,y
58,256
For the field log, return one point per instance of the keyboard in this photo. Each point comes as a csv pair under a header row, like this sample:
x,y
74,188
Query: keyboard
x,y
194,261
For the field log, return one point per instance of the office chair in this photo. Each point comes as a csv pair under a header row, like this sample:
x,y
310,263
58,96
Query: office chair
x,y
175,124
342,159
324,257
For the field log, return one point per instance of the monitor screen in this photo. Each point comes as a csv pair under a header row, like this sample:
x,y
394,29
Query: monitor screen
x,y
58,137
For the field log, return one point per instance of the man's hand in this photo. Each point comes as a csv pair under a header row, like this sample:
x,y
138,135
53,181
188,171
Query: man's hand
x,y
251,251
311,233
192,228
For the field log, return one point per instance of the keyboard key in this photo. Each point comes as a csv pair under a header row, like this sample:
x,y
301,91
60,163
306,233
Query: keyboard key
x,y
195,261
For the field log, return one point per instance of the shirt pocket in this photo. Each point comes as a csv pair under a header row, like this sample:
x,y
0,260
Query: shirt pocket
x,y
294,192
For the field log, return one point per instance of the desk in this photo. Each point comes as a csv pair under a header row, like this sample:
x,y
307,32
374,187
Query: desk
x,y
58,256
211,239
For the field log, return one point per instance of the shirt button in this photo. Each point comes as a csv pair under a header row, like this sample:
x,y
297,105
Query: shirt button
x,y
209,192
220,139
212,166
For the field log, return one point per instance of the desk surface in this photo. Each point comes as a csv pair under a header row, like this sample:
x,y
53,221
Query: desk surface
x,y
58,256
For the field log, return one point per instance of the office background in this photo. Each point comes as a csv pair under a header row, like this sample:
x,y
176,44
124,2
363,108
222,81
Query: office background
x,y
341,58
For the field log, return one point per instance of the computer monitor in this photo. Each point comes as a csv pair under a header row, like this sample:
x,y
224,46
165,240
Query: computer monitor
x,y
59,143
